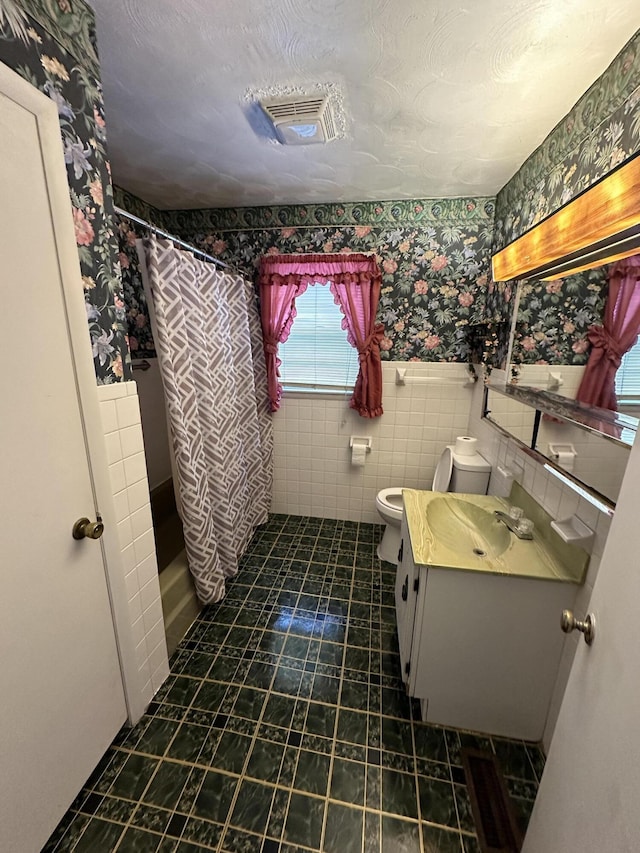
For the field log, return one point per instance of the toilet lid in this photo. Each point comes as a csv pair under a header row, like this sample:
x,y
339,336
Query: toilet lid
x,y
443,471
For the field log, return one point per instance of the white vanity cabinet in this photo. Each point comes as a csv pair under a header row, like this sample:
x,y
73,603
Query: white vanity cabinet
x,y
480,650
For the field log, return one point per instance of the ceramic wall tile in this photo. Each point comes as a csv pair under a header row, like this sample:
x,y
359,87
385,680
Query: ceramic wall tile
x,y
120,415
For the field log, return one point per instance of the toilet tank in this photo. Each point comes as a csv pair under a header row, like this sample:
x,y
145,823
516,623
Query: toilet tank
x,y
469,474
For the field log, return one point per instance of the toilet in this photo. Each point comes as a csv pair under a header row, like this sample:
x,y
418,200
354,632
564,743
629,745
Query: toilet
x,y
454,473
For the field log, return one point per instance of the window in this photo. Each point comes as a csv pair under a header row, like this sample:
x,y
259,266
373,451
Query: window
x,y
628,377
317,355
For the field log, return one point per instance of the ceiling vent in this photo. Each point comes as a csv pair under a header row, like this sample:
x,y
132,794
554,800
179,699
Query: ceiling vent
x,y
301,120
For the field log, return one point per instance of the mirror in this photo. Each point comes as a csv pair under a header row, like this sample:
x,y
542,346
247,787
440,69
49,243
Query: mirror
x,y
547,354
549,345
588,447
548,351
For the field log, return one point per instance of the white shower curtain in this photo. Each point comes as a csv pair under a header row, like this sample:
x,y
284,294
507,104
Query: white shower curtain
x,y
209,343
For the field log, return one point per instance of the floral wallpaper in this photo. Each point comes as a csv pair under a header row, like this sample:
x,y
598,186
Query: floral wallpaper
x,y
51,44
434,255
141,343
140,337
554,317
490,341
598,134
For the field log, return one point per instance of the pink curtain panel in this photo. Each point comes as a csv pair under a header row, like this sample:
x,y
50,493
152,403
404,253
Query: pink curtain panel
x,y
616,335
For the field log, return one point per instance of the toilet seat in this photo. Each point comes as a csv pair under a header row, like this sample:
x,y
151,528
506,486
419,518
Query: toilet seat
x,y
444,468
391,500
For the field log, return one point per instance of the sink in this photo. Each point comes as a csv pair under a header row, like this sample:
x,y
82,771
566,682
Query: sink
x,y
460,531
466,528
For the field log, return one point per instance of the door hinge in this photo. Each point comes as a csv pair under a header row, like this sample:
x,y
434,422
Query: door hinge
x,y
407,668
416,584
400,551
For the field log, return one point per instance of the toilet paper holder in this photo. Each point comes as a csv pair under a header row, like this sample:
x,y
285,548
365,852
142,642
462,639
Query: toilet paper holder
x,y
562,452
358,439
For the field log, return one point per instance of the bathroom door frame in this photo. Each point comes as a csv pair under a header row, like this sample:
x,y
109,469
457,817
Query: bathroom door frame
x,y
20,90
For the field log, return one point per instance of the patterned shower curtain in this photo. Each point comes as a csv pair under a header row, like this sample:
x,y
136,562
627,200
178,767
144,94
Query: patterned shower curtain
x,y
209,343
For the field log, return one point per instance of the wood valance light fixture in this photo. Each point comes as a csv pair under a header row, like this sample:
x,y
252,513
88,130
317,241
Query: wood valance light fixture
x,y
599,226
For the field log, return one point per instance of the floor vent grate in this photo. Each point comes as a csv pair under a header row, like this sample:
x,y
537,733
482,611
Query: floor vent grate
x,y
496,823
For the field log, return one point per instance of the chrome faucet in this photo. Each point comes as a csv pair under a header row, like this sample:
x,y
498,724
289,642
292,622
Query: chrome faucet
x,y
512,524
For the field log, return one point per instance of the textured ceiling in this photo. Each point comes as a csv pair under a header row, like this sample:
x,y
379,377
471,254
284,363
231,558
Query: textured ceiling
x,y
443,98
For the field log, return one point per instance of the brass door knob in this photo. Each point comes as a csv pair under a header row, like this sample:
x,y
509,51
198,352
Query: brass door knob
x,y
569,623
85,529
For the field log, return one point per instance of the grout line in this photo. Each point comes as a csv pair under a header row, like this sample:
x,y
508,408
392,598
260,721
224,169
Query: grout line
x,y
416,778
124,829
335,724
275,787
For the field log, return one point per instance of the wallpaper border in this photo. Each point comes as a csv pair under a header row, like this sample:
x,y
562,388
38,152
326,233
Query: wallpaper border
x,y
401,212
136,206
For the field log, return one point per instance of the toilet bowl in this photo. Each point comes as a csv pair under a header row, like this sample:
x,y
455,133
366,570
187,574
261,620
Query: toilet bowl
x,y
454,473
389,504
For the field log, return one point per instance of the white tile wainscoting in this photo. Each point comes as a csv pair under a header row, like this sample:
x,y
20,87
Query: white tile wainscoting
x,y
313,474
120,414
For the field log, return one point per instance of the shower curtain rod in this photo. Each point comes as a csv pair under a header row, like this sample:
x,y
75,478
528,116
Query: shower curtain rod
x,y
177,240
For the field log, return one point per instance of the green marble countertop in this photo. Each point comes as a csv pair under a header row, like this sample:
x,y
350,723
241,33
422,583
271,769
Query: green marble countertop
x,y
459,531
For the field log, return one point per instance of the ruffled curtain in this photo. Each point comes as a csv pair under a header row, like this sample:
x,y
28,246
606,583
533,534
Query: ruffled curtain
x,y
616,335
355,283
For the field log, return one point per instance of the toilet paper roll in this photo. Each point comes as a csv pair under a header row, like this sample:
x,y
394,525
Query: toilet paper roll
x,y
465,445
564,455
566,460
358,455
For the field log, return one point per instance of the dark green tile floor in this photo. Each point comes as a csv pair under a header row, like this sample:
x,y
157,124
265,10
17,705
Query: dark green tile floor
x,y
284,726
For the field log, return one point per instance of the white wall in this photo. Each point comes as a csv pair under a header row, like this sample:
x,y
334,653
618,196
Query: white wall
x,y
560,502
120,414
313,474
154,423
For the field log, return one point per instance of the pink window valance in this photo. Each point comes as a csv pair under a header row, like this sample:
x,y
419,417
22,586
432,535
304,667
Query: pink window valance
x,y
354,280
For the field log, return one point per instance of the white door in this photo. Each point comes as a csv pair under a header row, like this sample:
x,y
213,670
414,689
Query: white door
x,y
589,797
61,694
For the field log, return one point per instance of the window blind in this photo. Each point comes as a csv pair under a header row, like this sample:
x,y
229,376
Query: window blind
x,y
628,376
317,354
